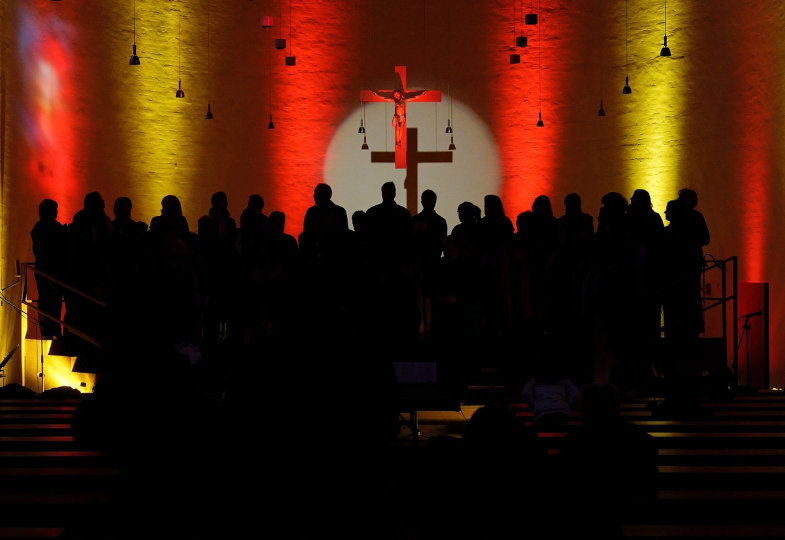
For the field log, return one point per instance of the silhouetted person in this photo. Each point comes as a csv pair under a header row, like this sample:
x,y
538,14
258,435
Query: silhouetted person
x,y
549,392
88,238
175,275
698,233
681,303
128,260
611,461
575,264
609,283
390,225
171,218
495,233
50,251
217,234
391,229
252,228
282,272
429,233
324,224
645,231
576,243
546,286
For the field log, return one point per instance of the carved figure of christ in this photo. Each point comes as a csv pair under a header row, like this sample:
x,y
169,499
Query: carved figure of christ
x,y
399,96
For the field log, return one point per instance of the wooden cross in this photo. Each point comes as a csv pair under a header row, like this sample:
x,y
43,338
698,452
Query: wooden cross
x,y
400,96
414,159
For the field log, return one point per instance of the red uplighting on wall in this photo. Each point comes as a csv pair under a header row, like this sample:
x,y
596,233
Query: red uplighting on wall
x,y
305,113
528,153
45,66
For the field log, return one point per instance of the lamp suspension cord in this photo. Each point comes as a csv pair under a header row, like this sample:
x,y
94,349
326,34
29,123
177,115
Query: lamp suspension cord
x,y
626,40
539,59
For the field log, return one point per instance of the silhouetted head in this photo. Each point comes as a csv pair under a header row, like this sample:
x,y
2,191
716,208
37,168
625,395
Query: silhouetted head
x,y
256,202
322,193
542,206
466,212
572,204
493,206
614,203
689,197
122,208
94,203
170,206
277,221
489,424
359,221
219,200
428,199
388,191
674,210
523,221
640,198
47,210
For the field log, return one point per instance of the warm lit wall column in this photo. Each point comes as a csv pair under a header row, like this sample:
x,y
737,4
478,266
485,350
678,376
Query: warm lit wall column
x,y
518,92
42,123
159,127
653,115
308,100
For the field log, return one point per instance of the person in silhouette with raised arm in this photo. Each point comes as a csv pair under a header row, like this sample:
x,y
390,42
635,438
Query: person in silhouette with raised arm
x,y
50,251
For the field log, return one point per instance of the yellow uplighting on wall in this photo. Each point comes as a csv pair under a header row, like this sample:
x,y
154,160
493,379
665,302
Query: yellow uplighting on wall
x,y
652,122
160,128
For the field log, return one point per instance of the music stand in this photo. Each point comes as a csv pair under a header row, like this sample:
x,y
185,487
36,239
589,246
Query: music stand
x,y
745,336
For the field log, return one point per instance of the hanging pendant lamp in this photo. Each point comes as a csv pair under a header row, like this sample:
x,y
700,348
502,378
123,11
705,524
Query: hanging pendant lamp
x,y
540,123
626,89
602,110
665,51
134,58
531,17
365,144
209,115
179,93
290,60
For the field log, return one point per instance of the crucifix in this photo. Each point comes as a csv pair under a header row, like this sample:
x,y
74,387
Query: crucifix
x,y
400,96
414,158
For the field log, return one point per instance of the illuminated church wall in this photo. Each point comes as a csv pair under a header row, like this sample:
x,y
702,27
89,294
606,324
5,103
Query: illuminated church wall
x,y
77,117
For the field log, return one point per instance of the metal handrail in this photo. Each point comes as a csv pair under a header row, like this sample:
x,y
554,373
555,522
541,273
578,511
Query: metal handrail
x,y
71,328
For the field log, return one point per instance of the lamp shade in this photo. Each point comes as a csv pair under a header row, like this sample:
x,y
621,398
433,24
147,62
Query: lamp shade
x,y
134,59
